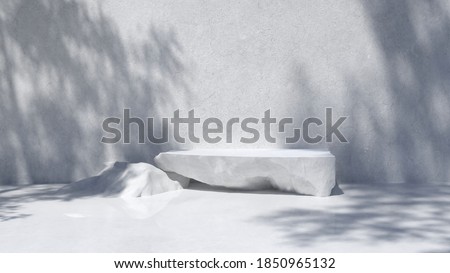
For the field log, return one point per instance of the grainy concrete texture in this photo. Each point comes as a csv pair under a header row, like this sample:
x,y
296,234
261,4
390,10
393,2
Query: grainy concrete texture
x,y
367,218
67,65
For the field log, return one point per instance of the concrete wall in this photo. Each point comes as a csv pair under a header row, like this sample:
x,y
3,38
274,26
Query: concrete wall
x,y
67,65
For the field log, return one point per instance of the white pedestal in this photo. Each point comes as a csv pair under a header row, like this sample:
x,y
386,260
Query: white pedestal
x,y
302,171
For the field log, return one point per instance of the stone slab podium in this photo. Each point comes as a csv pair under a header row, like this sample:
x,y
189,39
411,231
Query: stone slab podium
x,y
302,171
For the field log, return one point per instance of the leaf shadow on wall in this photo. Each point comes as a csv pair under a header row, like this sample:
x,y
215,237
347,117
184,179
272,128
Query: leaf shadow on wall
x,y
399,133
64,68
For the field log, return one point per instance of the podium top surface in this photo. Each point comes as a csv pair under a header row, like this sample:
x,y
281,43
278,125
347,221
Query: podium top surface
x,y
253,152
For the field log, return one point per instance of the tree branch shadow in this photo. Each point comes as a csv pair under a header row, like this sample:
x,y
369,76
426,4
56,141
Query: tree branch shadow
x,y
64,68
374,215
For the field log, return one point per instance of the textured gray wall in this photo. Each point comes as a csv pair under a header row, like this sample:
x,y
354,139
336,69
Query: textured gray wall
x,y
67,65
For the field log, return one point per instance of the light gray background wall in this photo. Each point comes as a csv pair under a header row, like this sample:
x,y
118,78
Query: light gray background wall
x,y
67,65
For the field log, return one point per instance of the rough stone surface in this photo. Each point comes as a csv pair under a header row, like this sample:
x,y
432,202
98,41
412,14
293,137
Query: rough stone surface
x,y
302,171
128,180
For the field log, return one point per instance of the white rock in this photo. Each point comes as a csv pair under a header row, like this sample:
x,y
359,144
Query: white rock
x,y
302,171
128,180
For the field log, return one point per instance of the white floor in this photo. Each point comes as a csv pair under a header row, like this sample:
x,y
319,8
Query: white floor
x,y
394,218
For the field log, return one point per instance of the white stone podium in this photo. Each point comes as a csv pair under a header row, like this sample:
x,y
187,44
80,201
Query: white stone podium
x,y
303,171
